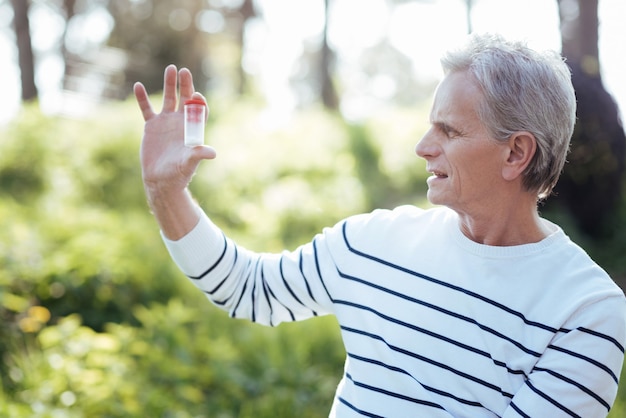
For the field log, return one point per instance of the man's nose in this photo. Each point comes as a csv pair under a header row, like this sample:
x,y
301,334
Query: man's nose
x,y
427,146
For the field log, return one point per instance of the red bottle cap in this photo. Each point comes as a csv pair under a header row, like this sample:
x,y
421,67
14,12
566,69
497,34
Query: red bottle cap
x,y
195,101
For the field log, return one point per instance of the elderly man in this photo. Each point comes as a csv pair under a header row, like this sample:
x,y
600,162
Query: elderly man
x,y
475,308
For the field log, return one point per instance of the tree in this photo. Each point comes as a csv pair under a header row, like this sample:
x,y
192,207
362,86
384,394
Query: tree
x,y
313,82
468,14
245,13
158,33
328,92
26,59
591,184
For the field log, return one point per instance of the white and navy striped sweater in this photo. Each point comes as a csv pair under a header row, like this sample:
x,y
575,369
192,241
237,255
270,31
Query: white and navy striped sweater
x,y
434,324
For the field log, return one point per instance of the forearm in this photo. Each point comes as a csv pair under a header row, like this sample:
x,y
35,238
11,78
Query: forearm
x,y
175,211
167,164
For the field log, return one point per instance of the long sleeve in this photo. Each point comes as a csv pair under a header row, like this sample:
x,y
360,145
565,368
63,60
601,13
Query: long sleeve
x,y
264,288
578,374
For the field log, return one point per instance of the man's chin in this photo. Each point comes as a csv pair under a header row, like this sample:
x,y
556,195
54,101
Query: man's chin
x,y
434,198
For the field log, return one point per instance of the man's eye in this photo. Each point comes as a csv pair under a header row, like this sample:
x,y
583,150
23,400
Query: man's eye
x,y
447,130
450,133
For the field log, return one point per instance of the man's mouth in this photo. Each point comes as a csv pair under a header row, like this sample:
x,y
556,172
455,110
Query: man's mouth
x,y
439,174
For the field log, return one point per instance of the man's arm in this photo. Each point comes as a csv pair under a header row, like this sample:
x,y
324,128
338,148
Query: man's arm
x,y
578,374
167,164
265,288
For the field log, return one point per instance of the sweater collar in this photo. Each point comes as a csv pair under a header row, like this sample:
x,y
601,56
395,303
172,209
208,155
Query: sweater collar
x,y
514,251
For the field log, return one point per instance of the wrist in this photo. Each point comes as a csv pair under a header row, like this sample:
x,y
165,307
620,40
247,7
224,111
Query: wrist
x,y
174,209
162,190
159,196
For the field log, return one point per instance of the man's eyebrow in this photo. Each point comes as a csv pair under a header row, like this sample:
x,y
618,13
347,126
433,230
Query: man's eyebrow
x,y
443,126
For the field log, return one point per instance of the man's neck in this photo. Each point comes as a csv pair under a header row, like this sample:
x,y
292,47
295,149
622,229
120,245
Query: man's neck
x,y
513,223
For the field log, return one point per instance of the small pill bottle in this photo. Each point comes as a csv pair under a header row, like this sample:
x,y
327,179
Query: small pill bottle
x,y
195,119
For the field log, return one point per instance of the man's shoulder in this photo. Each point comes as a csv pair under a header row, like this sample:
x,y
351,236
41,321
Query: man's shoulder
x,y
411,213
392,222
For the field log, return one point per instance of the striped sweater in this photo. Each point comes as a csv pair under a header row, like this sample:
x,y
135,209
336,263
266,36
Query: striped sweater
x,y
434,324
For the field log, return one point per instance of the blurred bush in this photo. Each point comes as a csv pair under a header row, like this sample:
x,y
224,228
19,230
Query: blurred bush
x,y
95,320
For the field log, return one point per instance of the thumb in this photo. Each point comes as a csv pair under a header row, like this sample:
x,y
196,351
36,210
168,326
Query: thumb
x,y
202,152
192,158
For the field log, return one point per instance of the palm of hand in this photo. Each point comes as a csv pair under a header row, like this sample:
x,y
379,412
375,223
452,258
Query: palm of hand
x,y
166,163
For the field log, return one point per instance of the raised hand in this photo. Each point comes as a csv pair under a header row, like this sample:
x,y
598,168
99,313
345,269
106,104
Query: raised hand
x,y
167,165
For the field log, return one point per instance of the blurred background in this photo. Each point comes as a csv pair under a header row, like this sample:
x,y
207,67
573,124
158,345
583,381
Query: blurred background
x,y
316,106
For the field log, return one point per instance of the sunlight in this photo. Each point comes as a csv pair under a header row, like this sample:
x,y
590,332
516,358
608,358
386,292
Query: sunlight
x,y
423,30
420,30
536,21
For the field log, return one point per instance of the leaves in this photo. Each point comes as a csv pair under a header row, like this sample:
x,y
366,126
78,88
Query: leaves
x,y
95,320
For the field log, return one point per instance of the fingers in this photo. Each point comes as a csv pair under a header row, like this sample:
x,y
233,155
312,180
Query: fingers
x,y
199,96
172,79
169,88
142,100
186,86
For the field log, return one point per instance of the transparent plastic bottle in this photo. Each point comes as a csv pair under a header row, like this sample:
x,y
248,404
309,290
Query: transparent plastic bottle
x,y
195,119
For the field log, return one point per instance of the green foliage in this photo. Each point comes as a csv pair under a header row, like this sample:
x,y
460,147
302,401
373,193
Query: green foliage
x,y
619,407
182,361
95,320
23,160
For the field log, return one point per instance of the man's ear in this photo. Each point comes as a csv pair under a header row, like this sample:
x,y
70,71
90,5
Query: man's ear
x,y
521,149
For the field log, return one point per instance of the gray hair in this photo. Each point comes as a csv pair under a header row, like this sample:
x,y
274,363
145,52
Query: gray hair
x,y
524,90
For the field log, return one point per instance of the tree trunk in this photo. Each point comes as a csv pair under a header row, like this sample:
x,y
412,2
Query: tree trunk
x,y
468,15
246,12
26,59
579,33
591,184
328,92
70,10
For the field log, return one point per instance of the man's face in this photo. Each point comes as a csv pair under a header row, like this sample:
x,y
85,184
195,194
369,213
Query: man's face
x,y
466,162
